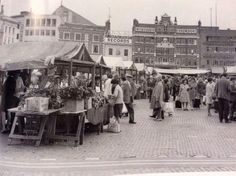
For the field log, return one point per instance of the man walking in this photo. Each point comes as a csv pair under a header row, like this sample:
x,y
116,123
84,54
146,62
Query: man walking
x,y
223,95
128,96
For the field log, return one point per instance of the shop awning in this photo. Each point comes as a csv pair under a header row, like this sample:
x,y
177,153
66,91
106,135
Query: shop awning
x,y
231,70
181,71
129,65
31,55
114,62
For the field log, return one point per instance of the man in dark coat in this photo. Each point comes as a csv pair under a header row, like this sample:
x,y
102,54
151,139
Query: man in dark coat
x,y
223,94
232,106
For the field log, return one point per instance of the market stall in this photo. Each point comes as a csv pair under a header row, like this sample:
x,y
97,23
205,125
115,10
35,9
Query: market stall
x,y
68,57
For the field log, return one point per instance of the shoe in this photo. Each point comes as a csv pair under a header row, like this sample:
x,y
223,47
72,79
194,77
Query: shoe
x,y
152,116
5,131
132,122
221,121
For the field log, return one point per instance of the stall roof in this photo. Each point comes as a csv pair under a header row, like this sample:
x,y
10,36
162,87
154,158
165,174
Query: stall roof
x,y
129,65
30,55
140,66
182,71
114,61
98,59
231,70
217,70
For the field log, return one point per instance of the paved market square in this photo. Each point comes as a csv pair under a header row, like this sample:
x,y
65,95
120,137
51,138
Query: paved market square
x,y
146,147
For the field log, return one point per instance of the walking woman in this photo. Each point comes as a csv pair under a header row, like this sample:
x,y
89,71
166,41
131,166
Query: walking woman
x,y
184,95
210,87
117,93
157,98
192,92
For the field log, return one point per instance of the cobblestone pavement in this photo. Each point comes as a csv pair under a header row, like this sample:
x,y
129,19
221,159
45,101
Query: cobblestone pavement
x,y
188,135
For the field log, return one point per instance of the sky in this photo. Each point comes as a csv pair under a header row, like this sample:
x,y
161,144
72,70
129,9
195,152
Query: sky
x,y
122,12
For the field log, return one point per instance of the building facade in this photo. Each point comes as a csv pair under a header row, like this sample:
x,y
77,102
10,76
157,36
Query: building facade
x,y
118,45
165,43
217,47
63,25
9,29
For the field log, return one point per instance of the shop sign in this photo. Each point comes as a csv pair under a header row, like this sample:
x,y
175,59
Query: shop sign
x,y
118,40
187,31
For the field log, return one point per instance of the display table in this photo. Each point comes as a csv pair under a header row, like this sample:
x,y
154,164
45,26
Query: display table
x,y
22,116
79,123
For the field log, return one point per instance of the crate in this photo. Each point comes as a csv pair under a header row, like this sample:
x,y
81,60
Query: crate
x,y
37,104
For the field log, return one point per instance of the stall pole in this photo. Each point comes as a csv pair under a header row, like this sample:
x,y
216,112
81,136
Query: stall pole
x,y
136,76
93,76
100,74
70,72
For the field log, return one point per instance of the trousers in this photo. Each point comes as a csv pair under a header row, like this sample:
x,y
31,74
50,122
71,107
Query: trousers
x,y
223,105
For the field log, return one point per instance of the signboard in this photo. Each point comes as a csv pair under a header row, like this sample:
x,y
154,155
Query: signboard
x,y
121,40
187,31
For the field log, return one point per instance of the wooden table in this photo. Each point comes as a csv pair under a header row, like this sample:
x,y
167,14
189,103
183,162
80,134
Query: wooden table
x,y
80,126
44,116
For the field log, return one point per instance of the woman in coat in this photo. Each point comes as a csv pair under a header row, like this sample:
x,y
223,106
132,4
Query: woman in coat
x,y
184,95
192,92
210,87
157,98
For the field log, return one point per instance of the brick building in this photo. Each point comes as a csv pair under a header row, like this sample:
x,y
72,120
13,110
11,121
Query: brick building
x,y
217,47
165,43
9,29
118,44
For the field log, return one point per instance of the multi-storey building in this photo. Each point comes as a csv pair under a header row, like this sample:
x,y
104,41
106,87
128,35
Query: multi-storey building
x,y
9,29
165,43
217,47
118,44
63,25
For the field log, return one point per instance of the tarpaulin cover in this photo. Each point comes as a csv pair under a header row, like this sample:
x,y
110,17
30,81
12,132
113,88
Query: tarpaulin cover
x,y
181,71
30,55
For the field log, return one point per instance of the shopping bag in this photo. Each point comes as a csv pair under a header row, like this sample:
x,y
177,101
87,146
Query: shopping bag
x,y
169,107
113,126
204,100
124,109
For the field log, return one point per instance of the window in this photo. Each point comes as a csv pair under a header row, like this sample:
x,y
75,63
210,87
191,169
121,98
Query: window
x,y
9,30
38,22
13,31
31,32
53,33
43,22
216,49
36,32
54,22
17,36
27,22
47,32
96,38
110,51
86,37
126,52
26,32
48,22
208,62
42,32
95,49
66,36
208,49
77,37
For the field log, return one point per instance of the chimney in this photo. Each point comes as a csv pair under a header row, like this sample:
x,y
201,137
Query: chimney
x,y
175,21
156,20
2,9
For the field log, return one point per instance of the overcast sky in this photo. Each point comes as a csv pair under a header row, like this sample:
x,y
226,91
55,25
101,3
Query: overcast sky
x,y
124,11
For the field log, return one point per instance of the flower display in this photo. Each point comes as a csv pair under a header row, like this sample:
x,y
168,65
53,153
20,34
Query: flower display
x,y
98,100
75,93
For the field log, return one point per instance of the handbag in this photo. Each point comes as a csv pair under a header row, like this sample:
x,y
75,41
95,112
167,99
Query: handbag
x,y
169,107
114,126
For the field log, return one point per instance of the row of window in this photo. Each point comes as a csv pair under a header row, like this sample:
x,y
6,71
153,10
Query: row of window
x,y
9,30
78,37
40,22
220,38
220,49
40,32
118,52
220,63
181,41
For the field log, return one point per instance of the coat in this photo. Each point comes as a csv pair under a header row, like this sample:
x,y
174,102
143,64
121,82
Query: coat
x,y
126,91
157,96
223,89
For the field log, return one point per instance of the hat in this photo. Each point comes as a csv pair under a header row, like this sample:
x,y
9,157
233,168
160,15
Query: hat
x,y
128,75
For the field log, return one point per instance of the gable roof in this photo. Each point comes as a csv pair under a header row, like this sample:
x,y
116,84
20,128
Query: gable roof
x,y
75,17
